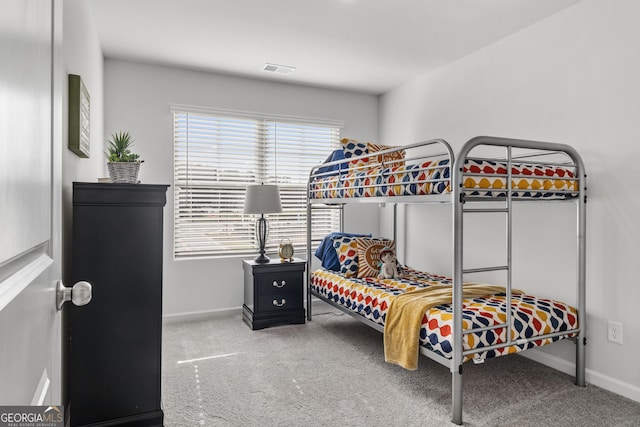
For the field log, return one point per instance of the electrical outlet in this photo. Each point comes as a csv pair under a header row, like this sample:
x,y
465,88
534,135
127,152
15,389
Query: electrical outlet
x,y
614,333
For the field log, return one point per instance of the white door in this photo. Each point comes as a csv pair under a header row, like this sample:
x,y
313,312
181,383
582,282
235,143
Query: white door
x,y
30,197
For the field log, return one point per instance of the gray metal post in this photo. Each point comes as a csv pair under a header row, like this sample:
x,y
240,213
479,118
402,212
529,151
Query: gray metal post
x,y
309,259
581,342
509,242
457,356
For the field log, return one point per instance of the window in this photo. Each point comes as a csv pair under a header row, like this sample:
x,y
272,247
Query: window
x,y
216,155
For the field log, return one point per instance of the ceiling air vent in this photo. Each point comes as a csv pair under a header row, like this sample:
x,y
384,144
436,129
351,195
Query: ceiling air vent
x,y
279,69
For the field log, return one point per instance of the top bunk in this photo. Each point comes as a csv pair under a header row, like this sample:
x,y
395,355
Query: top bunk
x,y
485,169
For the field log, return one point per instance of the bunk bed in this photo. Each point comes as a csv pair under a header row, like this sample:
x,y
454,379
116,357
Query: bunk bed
x,y
472,322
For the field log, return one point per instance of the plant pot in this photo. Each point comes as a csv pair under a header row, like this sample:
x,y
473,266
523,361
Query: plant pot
x,y
124,172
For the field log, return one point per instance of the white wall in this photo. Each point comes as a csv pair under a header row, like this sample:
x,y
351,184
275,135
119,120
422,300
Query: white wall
x,y
138,98
570,78
82,56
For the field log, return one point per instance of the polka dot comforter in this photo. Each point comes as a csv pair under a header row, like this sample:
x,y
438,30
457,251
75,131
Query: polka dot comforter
x,y
482,178
531,316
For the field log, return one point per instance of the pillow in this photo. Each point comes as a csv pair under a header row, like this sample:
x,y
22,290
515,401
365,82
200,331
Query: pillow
x,y
347,252
369,255
353,148
395,159
326,253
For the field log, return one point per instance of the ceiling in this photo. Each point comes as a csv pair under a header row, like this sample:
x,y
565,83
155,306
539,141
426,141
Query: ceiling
x,y
368,46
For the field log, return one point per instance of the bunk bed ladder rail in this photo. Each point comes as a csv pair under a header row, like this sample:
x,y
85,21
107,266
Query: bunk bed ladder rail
x,y
458,200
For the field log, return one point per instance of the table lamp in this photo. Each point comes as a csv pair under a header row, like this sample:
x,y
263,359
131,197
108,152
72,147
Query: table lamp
x,y
262,199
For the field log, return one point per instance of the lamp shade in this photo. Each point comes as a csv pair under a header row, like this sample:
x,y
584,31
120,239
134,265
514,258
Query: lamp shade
x,y
262,199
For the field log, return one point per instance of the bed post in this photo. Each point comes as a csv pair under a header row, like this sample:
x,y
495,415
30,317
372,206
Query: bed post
x,y
309,256
581,341
457,356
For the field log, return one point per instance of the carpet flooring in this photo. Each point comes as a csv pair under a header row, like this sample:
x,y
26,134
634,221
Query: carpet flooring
x,y
331,372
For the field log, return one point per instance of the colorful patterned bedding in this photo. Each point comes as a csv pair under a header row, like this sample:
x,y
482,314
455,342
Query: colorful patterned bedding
x,y
482,178
531,316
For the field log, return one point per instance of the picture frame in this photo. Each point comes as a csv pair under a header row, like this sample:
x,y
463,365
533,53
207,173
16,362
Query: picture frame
x,y
79,117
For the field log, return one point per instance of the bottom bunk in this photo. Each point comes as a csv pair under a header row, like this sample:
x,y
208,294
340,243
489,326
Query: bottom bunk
x,y
370,298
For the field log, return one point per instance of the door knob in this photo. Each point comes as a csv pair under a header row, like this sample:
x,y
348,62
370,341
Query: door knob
x,y
79,294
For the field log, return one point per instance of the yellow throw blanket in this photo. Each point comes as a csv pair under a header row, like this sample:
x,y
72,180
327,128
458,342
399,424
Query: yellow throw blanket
x,y
404,318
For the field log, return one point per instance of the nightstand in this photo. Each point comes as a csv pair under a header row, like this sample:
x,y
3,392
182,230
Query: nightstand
x,y
273,293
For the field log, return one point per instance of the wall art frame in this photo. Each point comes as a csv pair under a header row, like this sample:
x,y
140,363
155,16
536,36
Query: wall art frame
x,y
79,117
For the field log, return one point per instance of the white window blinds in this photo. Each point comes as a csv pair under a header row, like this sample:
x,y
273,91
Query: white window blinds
x,y
216,156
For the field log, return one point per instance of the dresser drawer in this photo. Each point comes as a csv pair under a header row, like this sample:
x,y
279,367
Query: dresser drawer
x,y
278,283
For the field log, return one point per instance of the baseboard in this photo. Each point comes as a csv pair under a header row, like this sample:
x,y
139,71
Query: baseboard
x,y
201,315
592,377
222,312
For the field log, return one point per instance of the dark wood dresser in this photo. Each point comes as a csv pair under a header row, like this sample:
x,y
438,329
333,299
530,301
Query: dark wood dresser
x,y
112,346
273,293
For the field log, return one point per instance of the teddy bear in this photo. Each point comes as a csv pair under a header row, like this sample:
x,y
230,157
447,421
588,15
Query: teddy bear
x,y
388,265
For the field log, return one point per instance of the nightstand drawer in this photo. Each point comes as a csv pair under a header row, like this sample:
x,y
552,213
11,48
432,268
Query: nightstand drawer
x,y
278,283
278,302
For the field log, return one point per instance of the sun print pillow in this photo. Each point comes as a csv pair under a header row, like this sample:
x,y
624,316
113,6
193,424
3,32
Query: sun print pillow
x,y
368,251
393,159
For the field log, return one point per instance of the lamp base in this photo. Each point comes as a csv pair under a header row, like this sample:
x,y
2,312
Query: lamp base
x,y
261,259
262,231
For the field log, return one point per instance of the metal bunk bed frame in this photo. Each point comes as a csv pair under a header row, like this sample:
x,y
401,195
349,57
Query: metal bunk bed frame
x,y
458,198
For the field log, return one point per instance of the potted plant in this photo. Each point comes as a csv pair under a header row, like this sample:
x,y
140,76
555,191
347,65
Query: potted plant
x,y
123,165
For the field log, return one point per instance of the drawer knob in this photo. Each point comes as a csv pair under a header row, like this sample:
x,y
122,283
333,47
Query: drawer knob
x,y
279,285
279,304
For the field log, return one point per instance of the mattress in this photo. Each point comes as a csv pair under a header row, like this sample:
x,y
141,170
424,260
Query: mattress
x,y
482,178
531,316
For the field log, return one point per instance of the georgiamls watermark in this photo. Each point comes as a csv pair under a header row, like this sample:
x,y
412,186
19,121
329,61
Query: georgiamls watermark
x,y
31,416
